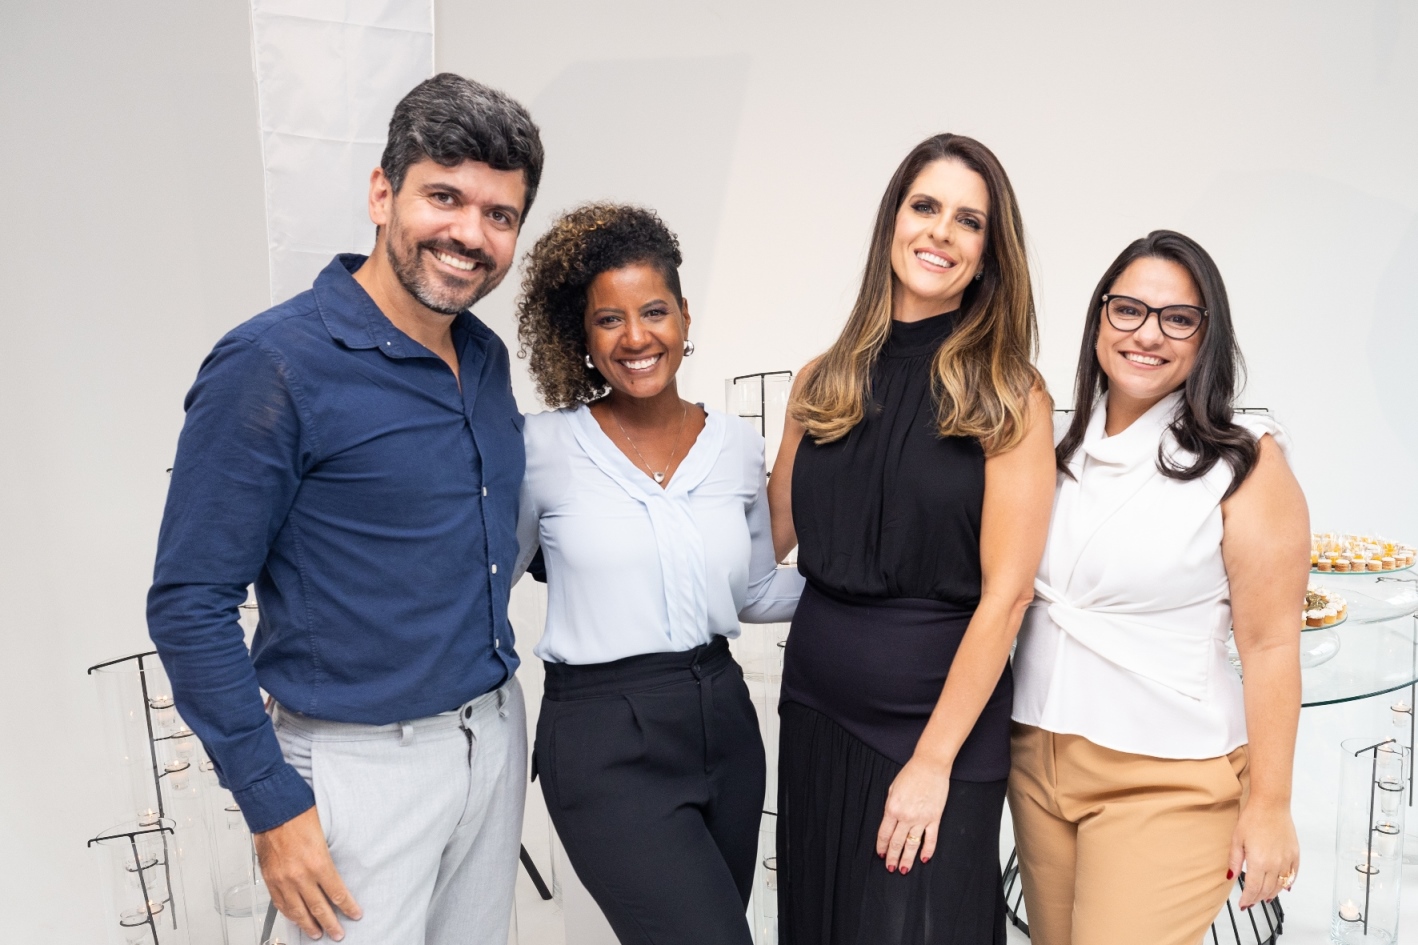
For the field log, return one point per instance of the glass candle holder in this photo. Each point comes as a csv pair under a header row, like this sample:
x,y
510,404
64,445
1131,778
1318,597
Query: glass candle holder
x,y
164,712
137,930
1368,871
182,743
177,775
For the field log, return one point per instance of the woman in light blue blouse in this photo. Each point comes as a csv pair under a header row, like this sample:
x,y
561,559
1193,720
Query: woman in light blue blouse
x,y
652,518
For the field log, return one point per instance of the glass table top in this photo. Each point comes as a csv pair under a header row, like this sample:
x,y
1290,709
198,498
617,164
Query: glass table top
x,y
1372,658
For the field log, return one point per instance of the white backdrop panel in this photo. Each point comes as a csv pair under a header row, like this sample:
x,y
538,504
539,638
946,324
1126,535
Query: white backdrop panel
x,y
328,75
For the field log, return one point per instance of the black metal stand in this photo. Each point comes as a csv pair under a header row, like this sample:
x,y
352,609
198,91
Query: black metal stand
x,y
149,892
531,869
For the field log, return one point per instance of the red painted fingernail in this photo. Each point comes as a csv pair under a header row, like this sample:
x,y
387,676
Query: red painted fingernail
x,y
881,856
890,868
1230,874
905,870
925,859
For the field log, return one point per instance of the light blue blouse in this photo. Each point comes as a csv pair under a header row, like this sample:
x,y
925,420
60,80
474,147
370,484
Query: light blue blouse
x,y
635,568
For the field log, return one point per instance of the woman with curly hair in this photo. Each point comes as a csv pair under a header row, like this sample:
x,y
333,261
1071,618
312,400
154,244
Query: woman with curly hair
x,y
916,473
652,517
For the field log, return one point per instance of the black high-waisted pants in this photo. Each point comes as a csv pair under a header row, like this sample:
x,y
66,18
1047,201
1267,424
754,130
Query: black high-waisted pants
x,y
653,772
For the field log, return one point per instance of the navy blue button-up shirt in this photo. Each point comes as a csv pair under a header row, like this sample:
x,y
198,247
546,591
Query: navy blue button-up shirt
x,y
334,462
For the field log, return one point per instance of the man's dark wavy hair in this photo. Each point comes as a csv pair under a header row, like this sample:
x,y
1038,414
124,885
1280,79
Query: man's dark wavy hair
x,y
450,119
1203,426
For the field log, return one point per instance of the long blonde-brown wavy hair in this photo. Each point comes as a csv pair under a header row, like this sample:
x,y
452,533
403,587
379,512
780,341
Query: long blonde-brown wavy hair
x,y
983,373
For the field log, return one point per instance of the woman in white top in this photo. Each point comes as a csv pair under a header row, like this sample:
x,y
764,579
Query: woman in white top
x,y
1145,777
652,519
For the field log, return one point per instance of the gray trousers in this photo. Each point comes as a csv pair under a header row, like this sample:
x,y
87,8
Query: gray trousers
x,y
423,818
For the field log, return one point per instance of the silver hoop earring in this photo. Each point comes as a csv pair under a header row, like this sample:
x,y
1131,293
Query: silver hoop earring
x,y
688,347
589,363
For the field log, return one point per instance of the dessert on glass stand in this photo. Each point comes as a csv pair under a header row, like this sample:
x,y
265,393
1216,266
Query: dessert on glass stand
x,y
1324,608
1337,553
1369,587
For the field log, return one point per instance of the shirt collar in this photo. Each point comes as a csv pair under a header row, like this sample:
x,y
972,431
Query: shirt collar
x,y
696,465
1138,443
352,318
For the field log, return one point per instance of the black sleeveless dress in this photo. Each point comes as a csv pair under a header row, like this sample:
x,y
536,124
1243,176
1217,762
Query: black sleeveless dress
x,y
888,524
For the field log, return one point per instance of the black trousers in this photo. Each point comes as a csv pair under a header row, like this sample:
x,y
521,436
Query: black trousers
x,y
653,772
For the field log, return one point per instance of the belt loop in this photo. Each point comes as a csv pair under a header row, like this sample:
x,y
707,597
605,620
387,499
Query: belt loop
x,y
406,734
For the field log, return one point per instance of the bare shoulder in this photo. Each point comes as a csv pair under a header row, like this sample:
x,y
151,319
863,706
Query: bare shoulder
x,y
805,372
1270,503
1271,478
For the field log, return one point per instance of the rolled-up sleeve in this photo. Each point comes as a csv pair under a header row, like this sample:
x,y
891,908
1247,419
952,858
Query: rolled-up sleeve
x,y
239,461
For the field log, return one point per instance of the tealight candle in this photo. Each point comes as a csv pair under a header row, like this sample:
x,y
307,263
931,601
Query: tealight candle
x,y
1402,711
1348,911
1390,794
176,772
183,743
146,818
163,712
1387,839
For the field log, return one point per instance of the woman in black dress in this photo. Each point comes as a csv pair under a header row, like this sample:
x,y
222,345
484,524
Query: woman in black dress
x,y
916,475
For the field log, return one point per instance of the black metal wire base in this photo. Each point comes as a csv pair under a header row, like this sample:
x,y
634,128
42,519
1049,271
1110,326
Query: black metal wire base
x,y
1228,929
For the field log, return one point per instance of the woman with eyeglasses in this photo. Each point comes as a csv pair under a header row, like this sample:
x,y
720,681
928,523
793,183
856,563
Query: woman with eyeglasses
x,y
1145,777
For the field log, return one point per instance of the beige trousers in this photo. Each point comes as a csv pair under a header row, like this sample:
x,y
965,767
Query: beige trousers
x,y
1117,848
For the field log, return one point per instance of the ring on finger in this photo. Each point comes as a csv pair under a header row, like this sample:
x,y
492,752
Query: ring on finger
x,y
911,838
1288,880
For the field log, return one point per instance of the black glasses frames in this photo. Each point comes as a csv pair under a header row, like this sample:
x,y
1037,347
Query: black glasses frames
x,y
1178,322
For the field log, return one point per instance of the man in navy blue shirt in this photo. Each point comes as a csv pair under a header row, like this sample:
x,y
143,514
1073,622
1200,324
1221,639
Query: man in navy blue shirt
x,y
356,453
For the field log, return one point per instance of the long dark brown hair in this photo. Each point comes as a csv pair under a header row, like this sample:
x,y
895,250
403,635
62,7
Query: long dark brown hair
x,y
984,372
1204,428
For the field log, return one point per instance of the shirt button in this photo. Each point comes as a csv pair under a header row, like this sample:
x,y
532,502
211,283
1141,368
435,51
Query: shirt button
x,y
484,490
494,569
497,644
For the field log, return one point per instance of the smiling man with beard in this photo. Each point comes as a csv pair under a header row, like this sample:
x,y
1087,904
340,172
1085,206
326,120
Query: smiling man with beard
x,y
356,453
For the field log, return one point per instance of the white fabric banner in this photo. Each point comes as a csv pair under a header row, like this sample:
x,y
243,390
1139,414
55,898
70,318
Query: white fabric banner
x,y
328,75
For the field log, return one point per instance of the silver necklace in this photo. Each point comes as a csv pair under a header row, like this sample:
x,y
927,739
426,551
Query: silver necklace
x,y
659,477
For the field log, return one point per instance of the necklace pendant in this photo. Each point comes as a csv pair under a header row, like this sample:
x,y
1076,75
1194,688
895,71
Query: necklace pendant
x,y
659,476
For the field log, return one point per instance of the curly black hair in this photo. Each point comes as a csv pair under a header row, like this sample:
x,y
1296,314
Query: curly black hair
x,y
551,311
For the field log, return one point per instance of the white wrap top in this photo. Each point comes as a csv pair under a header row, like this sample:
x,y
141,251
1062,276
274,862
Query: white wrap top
x,y
1125,642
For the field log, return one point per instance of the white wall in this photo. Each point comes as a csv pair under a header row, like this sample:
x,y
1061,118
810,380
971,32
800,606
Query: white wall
x,y
133,237
1281,135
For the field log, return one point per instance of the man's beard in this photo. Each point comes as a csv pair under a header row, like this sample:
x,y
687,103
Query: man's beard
x,y
434,291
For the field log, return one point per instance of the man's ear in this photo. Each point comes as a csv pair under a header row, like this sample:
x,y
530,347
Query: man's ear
x,y
381,197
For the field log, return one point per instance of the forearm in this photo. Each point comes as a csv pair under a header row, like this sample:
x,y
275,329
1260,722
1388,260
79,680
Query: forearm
x,y
973,676
774,597
214,686
1272,694
780,501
